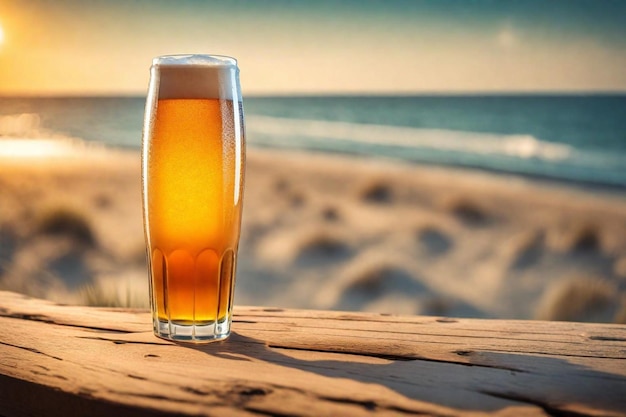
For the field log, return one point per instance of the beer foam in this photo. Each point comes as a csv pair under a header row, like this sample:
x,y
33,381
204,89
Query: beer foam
x,y
196,76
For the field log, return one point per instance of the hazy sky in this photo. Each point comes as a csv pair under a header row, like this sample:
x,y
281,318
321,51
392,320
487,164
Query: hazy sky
x,y
286,47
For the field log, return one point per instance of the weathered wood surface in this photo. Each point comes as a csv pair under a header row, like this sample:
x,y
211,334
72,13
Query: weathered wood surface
x,y
70,360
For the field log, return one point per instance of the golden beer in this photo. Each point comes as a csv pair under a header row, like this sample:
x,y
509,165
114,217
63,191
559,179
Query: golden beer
x,y
193,168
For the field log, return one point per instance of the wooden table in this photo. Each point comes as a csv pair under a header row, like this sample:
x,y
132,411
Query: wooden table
x,y
71,360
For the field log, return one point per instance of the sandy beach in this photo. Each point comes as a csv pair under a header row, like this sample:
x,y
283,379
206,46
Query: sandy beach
x,y
331,232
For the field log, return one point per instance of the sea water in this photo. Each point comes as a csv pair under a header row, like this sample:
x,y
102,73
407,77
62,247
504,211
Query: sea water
x,y
574,138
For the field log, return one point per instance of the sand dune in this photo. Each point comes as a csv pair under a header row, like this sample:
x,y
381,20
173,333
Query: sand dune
x,y
332,232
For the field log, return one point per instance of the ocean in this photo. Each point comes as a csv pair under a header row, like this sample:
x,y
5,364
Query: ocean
x,y
574,138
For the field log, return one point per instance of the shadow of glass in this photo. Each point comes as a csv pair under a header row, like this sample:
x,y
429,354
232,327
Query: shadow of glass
x,y
485,381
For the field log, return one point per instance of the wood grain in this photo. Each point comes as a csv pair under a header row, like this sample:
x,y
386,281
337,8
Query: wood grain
x,y
95,361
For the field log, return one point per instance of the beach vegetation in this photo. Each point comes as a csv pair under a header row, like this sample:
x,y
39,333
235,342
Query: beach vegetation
x,y
126,291
579,298
581,236
95,296
376,191
585,237
103,200
467,211
372,281
281,185
64,221
322,246
527,249
330,213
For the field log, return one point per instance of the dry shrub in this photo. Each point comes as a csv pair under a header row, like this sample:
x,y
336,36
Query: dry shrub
x,y
330,213
526,249
321,247
376,192
579,299
382,277
63,221
128,291
95,295
281,185
372,281
580,237
437,306
467,211
586,237
103,200
306,247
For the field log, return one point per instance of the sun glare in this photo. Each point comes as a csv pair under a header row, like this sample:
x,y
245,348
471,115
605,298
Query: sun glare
x,y
37,148
1,35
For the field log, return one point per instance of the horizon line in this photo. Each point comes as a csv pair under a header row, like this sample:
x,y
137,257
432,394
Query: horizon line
x,y
431,93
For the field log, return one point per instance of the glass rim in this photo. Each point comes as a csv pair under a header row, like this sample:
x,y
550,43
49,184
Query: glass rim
x,y
199,60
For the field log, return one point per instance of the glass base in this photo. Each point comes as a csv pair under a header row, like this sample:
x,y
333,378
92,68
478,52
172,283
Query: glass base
x,y
194,333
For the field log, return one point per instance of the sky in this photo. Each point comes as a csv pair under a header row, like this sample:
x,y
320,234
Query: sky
x,y
100,47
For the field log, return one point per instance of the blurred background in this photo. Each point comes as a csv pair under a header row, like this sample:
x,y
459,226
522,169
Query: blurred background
x,y
411,157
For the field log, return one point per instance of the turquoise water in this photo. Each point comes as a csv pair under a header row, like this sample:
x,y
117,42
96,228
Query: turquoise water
x,y
574,138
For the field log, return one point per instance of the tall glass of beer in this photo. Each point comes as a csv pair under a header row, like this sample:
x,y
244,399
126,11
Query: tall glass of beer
x,y
193,159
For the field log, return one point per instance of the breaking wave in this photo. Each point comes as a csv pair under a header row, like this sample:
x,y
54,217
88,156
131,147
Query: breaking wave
x,y
516,153
521,146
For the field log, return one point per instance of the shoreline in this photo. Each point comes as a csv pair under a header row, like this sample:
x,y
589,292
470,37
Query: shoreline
x,y
602,190
77,148
587,186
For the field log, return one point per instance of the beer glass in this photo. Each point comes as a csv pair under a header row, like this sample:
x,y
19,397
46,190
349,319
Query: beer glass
x,y
193,160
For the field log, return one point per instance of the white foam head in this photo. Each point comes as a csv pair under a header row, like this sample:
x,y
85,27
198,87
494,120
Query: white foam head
x,y
196,76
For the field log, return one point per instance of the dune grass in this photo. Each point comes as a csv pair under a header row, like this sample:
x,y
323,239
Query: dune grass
x,y
130,291
580,298
376,191
321,246
66,221
467,211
